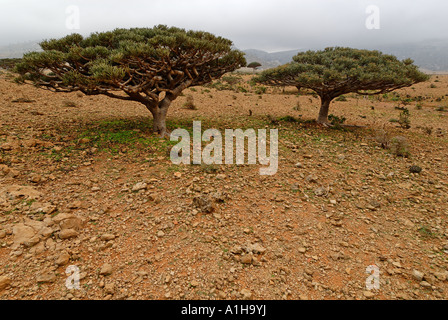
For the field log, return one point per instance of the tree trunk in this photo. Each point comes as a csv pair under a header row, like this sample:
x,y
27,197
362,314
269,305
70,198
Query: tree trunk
x,y
323,113
159,122
159,112
160,109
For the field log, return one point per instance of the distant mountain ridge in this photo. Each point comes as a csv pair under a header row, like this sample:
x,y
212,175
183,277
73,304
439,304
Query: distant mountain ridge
x,y
18,49
429,55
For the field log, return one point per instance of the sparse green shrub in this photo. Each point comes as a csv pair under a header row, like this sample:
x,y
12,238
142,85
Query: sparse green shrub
x,y
382,137
426,129
336,121
69,104
23,100
241,89
288,119
399,146
404,120
260,90
341,98
419,106
189,104
441,108
232,80
432,86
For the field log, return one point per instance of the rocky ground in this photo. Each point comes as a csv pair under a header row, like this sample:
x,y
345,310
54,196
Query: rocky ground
x,y
83,182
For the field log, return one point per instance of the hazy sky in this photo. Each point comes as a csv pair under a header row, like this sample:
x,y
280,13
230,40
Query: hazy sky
x,y
261,24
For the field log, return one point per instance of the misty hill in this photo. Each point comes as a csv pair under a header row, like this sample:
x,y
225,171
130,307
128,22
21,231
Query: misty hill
x,y
269,60
18,49
430,55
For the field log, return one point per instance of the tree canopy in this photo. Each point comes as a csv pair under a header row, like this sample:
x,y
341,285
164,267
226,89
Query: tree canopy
x,y
336,71
254,65
148,65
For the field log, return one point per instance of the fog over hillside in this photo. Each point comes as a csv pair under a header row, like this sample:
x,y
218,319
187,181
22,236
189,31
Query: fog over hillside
x,y
430,55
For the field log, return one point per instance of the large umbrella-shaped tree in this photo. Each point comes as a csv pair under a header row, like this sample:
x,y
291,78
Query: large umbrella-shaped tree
x,y
336,71
148,65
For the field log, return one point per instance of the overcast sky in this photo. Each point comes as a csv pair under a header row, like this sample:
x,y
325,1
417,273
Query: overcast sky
x,y
261,24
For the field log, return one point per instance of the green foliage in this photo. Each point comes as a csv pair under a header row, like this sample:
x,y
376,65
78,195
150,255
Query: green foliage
x,y
399,147
254,65
337,71
9,63
404,120
333,72
189,103
336,121
260,90
341,98
289,119
139,62
232,80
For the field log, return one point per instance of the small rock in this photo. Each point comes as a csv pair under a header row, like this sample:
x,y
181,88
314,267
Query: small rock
x,y
109,288
368,294
194,283
203,203
106,269
75,205
311,178
247,295
139,186
5,281
63,259
418,275
48,277
68,233
107,237
321,191
256,248
178,175
246,259
442,276
36,178
415,169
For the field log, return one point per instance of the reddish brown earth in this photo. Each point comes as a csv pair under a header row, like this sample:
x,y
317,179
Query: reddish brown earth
x,y
338,203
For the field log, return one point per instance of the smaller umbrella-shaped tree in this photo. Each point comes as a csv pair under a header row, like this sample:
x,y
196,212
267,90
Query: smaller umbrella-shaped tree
x,y
254,65
336,71
148,65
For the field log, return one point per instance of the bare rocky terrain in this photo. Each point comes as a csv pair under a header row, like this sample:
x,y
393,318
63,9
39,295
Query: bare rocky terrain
x,y
84,182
